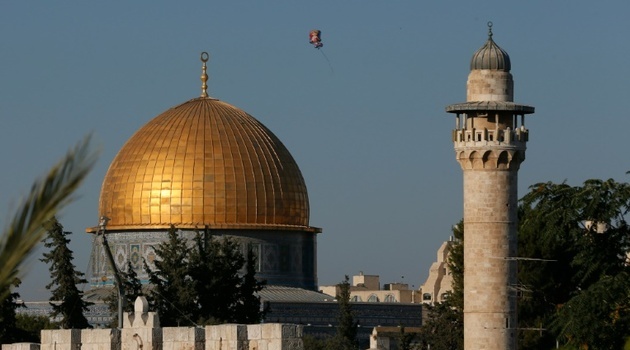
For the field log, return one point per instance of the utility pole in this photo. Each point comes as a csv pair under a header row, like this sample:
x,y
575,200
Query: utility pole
x,y
121,293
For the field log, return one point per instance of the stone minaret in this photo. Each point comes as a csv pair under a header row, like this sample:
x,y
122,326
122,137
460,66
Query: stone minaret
x,y
490,141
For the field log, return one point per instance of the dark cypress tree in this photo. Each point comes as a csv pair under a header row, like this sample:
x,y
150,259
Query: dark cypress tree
x,y
248,308
65,279
173,293
346,337
8,321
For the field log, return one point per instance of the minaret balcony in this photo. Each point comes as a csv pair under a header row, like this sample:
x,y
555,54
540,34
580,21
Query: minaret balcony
x,y
497,137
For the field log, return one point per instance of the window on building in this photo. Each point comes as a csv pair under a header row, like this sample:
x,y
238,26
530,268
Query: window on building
x,y
426,296
390,298
373,299
356,298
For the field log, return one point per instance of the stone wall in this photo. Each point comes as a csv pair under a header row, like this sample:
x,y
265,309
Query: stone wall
x,y
141,331
267,336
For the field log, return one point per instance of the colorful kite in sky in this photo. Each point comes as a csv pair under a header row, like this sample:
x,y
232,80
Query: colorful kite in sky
x,y
315,38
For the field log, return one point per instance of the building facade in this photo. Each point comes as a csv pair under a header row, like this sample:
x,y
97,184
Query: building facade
x,y
439,283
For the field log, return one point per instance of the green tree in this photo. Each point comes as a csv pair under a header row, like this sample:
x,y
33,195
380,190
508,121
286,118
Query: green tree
x,y
312,343
444,329
346,337
405,340
30,326
67,298
65,279
201,282
248,308
215,266
8,322
577,288
132,288
47,196
173,294
456,267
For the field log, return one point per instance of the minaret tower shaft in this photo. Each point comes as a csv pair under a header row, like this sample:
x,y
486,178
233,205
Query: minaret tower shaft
x,y
490,141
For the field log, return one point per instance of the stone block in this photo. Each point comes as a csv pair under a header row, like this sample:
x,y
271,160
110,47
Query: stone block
x,y
183,338
254,331
144,338
21,346
60,339
226,336
100,339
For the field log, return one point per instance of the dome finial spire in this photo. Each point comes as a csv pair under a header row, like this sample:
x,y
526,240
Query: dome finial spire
x,y
204,75
490,29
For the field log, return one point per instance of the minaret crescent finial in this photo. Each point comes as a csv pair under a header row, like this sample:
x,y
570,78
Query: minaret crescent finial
x,y
204,75
490,29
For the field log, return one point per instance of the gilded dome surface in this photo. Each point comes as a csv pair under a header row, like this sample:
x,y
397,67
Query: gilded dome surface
x,y
204,162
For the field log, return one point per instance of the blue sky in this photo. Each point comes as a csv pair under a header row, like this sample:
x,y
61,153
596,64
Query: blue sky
x,y
369,132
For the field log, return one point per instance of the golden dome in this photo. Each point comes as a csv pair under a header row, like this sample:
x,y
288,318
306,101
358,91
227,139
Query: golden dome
x,y
201,163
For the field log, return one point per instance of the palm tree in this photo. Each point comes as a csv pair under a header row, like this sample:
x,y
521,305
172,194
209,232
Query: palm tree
x,y
46,197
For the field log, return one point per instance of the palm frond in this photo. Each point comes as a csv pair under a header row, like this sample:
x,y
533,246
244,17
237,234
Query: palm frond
x,y
46,197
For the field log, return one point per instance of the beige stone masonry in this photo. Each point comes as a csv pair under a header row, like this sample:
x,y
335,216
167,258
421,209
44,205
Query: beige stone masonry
x,y
21,346
226,337
275,336
60,339
183,338
100,339
141,331
141,328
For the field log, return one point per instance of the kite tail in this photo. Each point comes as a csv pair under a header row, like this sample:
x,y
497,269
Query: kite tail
x,y
327,60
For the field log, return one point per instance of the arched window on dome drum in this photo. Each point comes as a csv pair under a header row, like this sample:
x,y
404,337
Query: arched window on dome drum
x,y
390,298
373,298
356,298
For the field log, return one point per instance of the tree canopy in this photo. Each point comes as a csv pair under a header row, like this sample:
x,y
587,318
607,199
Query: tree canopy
x,y
203,282
578,292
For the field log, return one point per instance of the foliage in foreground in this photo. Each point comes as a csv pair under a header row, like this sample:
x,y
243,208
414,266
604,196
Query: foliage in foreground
x,y
26,229
47,196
